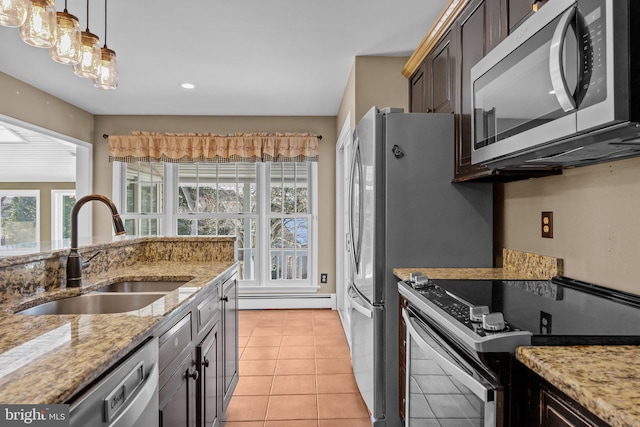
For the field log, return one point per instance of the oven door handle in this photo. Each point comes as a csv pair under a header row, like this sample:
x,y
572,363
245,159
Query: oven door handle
x,y
483,390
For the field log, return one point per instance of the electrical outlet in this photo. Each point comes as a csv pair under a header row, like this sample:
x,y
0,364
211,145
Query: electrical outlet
x,y
324,277
545,323
547,225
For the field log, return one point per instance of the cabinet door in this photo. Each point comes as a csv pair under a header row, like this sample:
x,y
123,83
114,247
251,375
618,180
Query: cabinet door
x,y
229,310
558,410
209,387
178,397
442,75
519,10
418,91
477,30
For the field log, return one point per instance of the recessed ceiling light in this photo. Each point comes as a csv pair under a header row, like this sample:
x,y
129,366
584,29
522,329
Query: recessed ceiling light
x,y
188,86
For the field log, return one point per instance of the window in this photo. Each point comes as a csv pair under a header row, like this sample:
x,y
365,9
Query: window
x,y
142,209
19,221
62,202
270,207
220,199
289,220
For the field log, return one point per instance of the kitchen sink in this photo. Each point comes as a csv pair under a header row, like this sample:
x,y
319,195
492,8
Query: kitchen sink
x,y
95,303
143,286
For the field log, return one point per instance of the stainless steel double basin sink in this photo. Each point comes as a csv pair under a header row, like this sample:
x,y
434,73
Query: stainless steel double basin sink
x,y
118,297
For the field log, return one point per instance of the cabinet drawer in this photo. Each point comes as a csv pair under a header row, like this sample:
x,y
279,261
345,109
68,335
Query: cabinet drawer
x,y
174,341
207,309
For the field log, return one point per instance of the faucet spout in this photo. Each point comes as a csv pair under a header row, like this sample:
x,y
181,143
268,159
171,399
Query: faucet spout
x,y
74,260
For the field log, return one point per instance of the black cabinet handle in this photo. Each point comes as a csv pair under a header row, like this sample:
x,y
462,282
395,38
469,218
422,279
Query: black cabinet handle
x,y
195,375
225,299
205,362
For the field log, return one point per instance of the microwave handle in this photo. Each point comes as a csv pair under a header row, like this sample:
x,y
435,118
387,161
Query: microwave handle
x,y
556,66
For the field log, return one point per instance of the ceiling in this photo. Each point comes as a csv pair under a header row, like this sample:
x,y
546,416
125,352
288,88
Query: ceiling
x,y
246,57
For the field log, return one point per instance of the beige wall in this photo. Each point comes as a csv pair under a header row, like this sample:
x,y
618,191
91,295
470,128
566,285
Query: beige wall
x,y
373,81
45,200
596,211
325,126
28,104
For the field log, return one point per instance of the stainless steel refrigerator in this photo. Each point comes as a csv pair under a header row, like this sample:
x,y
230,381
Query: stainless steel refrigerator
x,y
404,212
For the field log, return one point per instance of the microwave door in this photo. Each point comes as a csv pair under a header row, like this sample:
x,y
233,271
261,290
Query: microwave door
x,y
520,92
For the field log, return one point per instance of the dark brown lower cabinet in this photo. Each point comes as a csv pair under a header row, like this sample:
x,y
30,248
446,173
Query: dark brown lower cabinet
x,y
209,401
558,410
178,396
550,407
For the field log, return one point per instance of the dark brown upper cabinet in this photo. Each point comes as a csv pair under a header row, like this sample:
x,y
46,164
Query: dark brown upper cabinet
x,y
519,11
440,68
479,28
432,88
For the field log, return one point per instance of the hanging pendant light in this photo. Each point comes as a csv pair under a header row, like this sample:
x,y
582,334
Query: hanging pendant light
x,y
13,13
39,29
68,39
89,59
108,71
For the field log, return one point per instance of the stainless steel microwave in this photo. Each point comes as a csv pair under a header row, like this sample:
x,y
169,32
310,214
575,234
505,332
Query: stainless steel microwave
x,y
562,90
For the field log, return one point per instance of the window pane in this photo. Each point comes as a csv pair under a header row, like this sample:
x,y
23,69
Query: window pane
x,y
18,220
187,227
142,226
289,187
144,189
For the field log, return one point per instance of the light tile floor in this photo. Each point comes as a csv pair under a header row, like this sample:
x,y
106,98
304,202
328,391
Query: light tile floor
x,y
295,371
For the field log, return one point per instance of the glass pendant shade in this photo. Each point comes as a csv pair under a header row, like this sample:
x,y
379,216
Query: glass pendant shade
x,y
90,56
66,49
13,12
39,29
108,75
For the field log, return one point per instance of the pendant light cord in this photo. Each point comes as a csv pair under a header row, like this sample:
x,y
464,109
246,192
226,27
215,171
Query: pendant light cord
x,y
105,23
88,16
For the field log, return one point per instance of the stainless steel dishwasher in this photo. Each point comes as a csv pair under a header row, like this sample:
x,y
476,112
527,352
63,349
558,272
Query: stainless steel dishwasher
x,y
125,397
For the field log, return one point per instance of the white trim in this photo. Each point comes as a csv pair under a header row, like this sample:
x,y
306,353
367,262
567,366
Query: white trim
x,y
84,167
57,206
255,302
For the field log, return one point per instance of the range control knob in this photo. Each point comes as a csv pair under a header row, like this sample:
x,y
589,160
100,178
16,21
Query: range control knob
x,y
493,322
475,313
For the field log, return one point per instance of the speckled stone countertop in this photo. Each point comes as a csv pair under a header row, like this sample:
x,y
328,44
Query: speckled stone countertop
x,y
603,379
517,266
48,358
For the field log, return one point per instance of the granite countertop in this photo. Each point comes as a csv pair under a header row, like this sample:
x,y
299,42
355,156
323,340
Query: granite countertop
x,y
603,379
48,358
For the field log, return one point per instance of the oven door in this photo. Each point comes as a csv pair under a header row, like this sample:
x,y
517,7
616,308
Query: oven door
x,y
441,387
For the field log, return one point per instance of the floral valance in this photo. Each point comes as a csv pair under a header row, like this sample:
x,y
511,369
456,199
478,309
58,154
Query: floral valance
x,y
142,146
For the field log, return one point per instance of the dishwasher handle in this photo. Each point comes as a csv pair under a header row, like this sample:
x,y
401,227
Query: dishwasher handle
x,y
138,404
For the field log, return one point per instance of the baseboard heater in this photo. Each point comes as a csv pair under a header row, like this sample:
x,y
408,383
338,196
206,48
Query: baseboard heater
x,y
259,301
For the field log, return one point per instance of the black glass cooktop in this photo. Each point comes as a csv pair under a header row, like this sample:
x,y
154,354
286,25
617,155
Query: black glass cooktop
x,y
556,311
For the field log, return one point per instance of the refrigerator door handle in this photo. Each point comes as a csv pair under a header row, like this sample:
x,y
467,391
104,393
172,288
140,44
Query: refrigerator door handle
x,y
356,241
354,296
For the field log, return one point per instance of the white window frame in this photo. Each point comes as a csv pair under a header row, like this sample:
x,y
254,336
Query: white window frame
x,y
57,213
36,243
262,284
